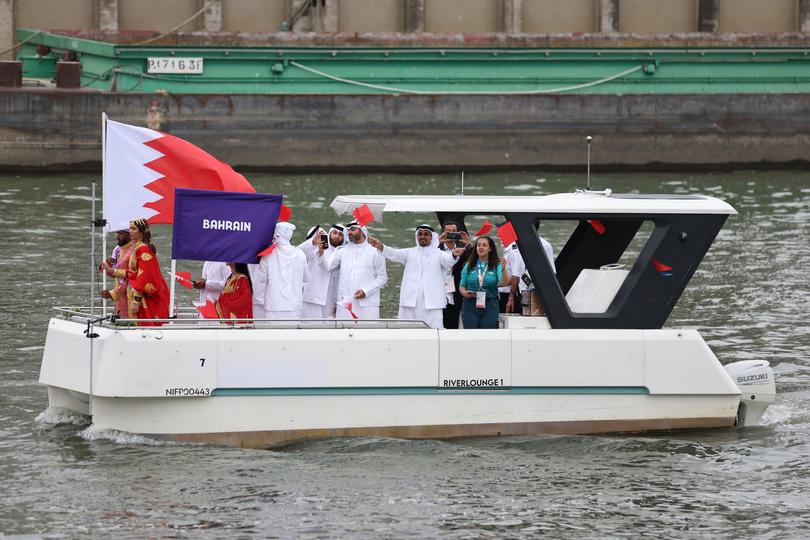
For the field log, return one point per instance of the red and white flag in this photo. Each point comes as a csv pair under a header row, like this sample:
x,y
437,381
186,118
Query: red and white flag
x,y
142,168
347,304
208,310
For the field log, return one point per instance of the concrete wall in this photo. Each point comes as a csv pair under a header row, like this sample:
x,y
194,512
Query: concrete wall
x,y
554,16
457,16
60,129
254,15
454,16
6,28
758,16
63,14
157,14
657,16
371,16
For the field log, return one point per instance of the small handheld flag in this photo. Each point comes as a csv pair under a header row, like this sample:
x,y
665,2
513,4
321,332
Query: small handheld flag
x,y
207,310
348,306
184,279
363,215
285,213
485,228
507,233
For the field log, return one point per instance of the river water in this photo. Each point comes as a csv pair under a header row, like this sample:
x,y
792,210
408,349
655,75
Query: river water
x,y
750,298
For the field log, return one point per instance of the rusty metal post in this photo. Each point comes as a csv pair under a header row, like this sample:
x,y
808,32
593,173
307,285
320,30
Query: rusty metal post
x,y
709,15
414,15
10,74
68,74
609,16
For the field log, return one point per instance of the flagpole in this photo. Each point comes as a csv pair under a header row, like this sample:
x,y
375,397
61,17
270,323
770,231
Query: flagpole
x,y
93,248
172,314
104,227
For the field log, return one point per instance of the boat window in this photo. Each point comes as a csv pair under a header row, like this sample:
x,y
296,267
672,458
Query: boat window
x,y
592,258
631,253
596,258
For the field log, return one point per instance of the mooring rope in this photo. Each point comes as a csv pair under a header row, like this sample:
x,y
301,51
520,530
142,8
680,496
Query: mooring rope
x,y
23,42
487,92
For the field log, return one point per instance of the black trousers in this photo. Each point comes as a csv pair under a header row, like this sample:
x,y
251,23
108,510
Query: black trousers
x,y
503,298
452,312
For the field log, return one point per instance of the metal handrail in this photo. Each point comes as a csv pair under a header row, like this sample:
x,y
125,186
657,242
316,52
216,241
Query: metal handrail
x,y
84,314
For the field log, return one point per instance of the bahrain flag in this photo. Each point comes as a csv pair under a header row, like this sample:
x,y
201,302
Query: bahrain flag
x,y
142,168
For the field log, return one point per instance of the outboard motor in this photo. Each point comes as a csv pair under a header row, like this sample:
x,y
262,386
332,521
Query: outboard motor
x,y
755,380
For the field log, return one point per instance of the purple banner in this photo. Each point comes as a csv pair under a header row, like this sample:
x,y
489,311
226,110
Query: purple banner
x,y
223,226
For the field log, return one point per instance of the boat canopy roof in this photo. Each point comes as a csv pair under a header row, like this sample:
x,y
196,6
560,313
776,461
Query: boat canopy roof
x,y
578,202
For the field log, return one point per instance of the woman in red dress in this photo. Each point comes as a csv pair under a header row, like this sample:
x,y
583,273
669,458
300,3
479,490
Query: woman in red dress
x,y
147,293
236,299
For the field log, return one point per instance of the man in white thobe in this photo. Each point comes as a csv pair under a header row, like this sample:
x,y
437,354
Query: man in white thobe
x,y
212,280
422,294
281,276
362,275
320,293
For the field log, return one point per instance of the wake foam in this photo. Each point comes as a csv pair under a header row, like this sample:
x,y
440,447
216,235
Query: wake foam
x,y
789,408
55,416
93,433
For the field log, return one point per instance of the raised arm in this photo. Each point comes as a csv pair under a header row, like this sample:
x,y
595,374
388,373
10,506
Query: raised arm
x,y
395,255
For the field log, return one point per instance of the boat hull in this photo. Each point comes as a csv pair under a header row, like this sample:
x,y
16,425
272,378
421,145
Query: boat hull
x,y
267,387
271,421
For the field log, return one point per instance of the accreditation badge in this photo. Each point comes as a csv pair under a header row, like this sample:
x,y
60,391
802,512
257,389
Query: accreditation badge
x,y
481,299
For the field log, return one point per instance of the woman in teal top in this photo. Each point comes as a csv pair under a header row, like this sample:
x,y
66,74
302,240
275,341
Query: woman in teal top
x,y
482,274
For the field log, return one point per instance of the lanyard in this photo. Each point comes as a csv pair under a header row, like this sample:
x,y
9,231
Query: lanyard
x,y
480,276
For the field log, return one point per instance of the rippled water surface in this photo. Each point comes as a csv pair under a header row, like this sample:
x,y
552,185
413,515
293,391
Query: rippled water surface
x,y
750,299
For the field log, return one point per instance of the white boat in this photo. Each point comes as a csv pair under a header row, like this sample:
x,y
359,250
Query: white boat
x,y
599,362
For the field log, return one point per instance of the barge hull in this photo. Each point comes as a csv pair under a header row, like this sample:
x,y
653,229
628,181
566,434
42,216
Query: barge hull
x,y
60,130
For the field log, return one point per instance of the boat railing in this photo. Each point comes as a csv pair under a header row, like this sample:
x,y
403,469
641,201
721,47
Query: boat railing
x,y
186,319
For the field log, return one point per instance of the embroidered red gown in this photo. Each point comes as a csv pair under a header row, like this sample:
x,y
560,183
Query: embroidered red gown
x,y
147,291
236,299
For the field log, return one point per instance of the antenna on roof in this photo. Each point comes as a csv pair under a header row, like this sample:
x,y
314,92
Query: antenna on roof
x,y
462,183
588,139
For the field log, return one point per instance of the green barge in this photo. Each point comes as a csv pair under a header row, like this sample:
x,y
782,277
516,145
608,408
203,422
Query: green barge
x,y
271,64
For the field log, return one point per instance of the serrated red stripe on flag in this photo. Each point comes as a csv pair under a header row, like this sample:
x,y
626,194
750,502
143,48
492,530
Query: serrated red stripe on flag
x,y
660,267
184,165
285,213
208,310
597,225
363,215
507,233
266,251
184,278
485,228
